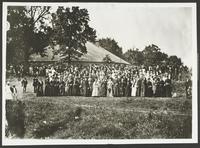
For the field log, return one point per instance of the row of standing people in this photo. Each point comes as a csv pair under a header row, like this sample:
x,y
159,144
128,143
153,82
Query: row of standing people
x,y
106,87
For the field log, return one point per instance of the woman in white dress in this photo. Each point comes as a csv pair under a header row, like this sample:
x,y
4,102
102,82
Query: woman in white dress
x,y
134,87
110,88
8,92
95,91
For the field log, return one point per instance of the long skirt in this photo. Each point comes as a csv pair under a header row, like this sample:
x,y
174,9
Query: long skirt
x,y
138,92
76,90
154,90
143,91
116,91
46,91
86,91
109,92
70,88
168,91
95,92
102,91
66,90
128,91
133,91
149,92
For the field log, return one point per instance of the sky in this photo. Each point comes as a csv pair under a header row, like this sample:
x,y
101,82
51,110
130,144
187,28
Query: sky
x,y
135,25
170,28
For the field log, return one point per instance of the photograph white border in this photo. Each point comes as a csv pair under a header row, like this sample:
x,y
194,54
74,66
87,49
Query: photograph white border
x,y
194,139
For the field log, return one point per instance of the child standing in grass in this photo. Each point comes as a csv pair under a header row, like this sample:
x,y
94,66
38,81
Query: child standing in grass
x,y
14,92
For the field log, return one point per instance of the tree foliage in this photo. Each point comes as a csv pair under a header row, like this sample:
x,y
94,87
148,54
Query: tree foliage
x,y
134,57
107,59
71,31
111,45
28,32
174,61
153,55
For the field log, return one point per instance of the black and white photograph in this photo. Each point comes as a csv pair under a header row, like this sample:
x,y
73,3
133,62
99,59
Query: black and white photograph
x,y
99,73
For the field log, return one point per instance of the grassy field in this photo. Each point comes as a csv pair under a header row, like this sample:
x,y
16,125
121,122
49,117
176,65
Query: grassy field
x,y
100,117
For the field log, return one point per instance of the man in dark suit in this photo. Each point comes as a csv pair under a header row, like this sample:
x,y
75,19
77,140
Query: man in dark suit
x,y
24,84
188,88
35,84
168,88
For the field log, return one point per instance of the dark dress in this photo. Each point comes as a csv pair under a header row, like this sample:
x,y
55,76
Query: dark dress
x,y
76,88
57,88
103,89
35,84
47,89
138,91
122,88
128,89
81,88
168,88
143,88
116,89
51,89
70,85
162,88
149,91
62,88
85,88
188,88
40,89
157,93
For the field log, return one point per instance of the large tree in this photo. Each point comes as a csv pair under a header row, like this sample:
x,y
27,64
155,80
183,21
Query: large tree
x,y
111,45
134,56
153,55
174,61
71,31
28,33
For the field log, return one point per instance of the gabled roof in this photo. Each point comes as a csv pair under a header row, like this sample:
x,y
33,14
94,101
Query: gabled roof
x,y
94,54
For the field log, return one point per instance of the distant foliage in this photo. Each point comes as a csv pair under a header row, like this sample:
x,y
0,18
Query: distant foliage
x,y
134,57
111,45
153,56
107,59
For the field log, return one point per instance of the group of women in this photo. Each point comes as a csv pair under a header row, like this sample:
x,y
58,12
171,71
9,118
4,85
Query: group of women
x,y
107,82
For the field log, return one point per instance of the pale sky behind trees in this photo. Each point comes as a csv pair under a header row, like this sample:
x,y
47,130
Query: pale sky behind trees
x,y
134,26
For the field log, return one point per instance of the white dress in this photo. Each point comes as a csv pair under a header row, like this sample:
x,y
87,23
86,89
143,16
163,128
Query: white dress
x,y
95,90
110,89
8,93
154,87
133,88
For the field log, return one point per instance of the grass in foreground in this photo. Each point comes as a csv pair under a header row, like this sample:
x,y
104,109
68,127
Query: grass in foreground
x,y
106,118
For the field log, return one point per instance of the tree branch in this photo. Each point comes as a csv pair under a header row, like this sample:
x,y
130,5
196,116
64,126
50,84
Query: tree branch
x,y
42,14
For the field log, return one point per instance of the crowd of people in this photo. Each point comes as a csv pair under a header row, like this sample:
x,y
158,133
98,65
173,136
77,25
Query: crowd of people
x,y
100,80
104,81
21,70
